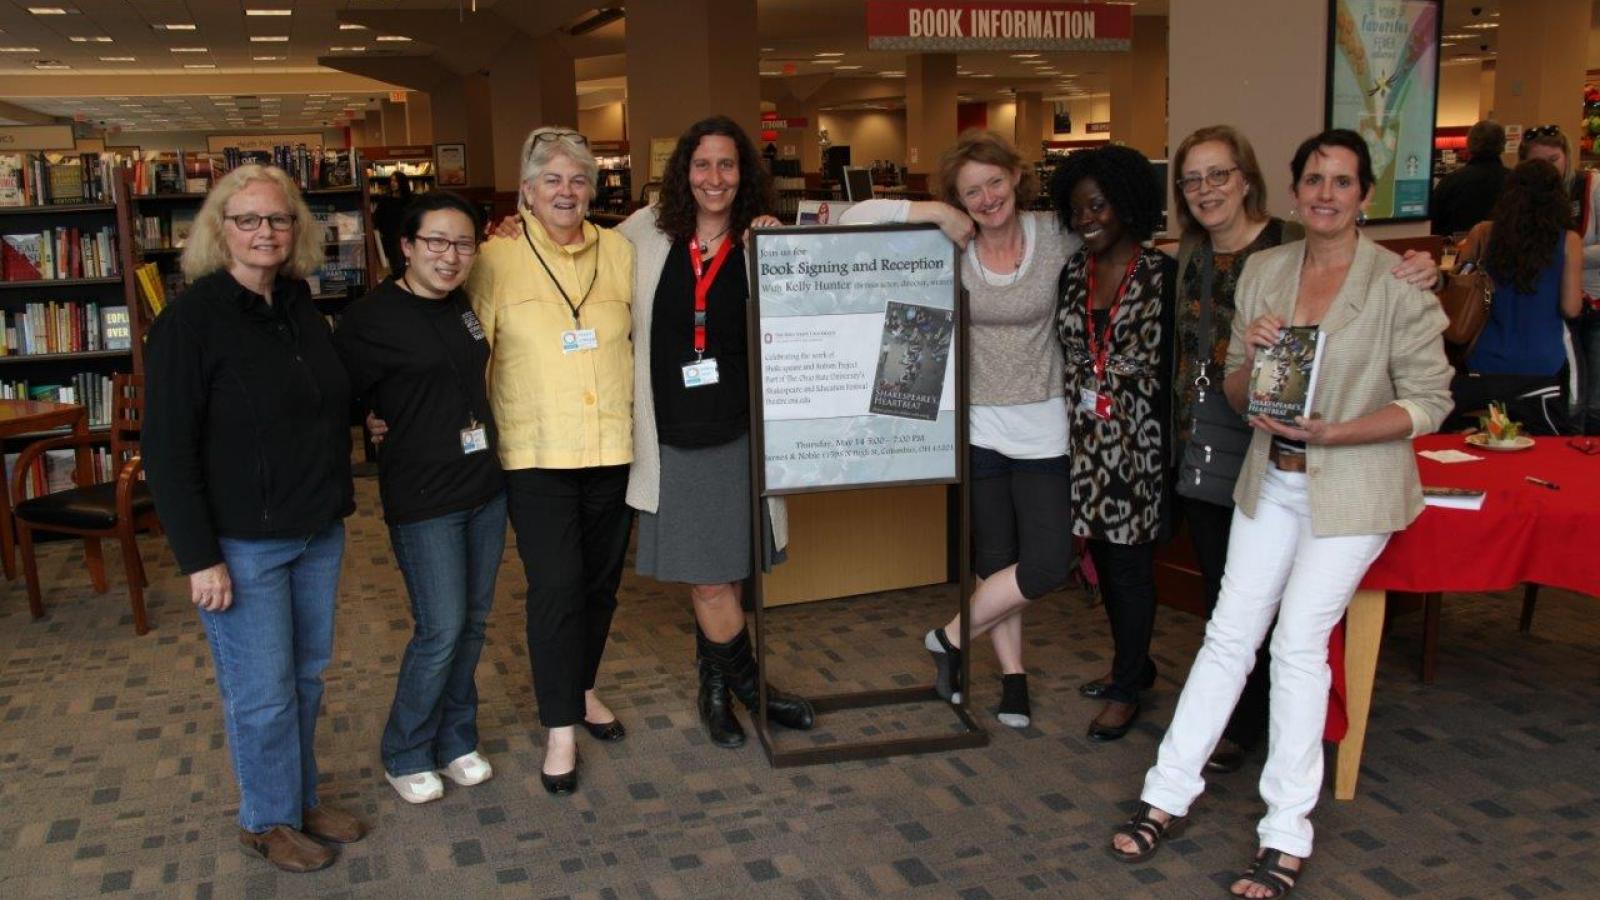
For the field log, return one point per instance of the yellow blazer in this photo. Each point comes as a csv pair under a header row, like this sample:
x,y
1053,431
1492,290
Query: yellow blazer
x,y
1382,346
558,410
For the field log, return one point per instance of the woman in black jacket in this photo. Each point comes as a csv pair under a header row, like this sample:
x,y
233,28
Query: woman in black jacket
x,y
247,451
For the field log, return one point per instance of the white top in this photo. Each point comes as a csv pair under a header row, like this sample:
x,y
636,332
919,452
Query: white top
x,y
1021,430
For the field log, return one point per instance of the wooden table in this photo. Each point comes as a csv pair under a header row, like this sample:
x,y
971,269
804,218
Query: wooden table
x,y
1525,533
24,417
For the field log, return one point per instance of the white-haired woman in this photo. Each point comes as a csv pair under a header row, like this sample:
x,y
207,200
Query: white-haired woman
x,y
247,450
555,303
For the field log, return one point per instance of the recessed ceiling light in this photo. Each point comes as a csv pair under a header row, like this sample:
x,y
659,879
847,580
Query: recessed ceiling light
x,y
893,73
849,67
199,65
19,49
983,75
117,59
94,39
1457,36
190,50
1023,55
394,38
267,58
829,53
347,49
268,12
269,38
51,65
771,74
1482,26
175,26
351,26
48,11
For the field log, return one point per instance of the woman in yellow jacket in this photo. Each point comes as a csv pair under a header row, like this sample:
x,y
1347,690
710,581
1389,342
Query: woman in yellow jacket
x,y
555,303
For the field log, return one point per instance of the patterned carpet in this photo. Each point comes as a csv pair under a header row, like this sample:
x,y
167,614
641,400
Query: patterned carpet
x,y
114,777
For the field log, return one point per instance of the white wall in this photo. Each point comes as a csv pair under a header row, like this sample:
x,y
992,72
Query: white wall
x,y
1003,118
1460,94
870,134
603,123
1084,110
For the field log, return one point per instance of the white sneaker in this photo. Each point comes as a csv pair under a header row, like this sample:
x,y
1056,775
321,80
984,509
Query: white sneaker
x,y
421,787
468,770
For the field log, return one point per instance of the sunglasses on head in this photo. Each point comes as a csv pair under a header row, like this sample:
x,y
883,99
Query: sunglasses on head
x,y
1541,131
574,136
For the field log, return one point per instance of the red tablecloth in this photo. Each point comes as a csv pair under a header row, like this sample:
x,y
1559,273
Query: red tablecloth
x,y
1523,533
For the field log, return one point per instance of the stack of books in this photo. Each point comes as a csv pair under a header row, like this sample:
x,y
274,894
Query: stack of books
x,y
43,179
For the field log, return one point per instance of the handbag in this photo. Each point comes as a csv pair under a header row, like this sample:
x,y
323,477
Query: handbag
x,y
1218,435
1466,297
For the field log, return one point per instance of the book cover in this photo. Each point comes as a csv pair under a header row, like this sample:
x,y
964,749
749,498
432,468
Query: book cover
x,y
19,258
12,187
1452,497
66,182
912,360
1283,380
182,226
114,329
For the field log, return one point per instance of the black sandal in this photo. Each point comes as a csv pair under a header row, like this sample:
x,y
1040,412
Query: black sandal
x,y
1146,834
1266,872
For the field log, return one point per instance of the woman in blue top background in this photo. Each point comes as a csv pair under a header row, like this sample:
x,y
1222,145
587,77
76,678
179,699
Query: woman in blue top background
x,y
1522,357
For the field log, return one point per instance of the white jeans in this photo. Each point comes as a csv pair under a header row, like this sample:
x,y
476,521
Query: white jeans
x,y
1276,566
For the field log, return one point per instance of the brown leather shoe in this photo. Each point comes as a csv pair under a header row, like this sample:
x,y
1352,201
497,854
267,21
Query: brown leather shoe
x,y
331,823
287,849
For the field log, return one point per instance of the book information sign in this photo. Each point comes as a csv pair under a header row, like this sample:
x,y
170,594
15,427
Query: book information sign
x,y
857,345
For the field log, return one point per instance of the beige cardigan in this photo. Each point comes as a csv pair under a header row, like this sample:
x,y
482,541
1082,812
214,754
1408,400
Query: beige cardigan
x,y
650,249
1383,346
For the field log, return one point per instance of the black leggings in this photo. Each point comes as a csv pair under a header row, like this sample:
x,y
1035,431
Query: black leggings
x,y
1022,514
1128,585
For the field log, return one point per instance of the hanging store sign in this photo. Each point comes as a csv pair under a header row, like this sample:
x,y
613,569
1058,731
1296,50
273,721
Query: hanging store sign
x,y
901,25
36,137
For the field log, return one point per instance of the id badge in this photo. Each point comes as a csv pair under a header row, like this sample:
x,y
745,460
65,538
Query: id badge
x,y
1095,403
579,339
474,439
700,373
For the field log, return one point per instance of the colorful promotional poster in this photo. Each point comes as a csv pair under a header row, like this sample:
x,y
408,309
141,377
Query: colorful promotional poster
x,y
857,353
1383,82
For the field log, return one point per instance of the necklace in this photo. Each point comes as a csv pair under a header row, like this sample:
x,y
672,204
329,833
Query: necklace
x,y
705,243
1016,262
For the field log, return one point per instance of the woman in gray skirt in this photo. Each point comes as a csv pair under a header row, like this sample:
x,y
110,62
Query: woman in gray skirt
x,y
691,470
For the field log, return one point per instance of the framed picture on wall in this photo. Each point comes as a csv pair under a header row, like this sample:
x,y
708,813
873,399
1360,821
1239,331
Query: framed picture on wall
x,y
1383,83
451,160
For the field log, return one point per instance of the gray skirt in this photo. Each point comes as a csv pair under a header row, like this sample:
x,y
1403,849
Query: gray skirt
x,y
700,531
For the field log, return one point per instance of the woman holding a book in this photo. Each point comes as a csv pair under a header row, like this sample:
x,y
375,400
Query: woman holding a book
x,y
247,448
1318,497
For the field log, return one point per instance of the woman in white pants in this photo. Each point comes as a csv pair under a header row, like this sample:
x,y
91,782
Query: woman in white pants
x,y
1317,500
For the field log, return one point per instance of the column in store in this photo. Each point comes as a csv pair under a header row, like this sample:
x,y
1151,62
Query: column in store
x,y
930,108
1539,68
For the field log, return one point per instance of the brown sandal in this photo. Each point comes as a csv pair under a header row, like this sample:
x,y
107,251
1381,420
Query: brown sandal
x,y
1146,834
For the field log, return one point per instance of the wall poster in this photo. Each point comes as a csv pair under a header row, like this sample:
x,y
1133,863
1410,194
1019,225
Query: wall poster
x,y
1383,82
857,347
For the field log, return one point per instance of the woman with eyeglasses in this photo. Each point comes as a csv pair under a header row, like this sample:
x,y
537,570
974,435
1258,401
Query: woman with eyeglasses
x,y
1222,212
417,355
555,303
247,451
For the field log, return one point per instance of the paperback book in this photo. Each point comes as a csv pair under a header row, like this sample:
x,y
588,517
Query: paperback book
x,y
1283,380
912,361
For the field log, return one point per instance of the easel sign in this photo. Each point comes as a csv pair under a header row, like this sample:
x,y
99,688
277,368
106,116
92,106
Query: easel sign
x,y
857,344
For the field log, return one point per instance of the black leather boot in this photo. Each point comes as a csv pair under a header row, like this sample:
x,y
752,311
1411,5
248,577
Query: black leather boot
x,y
738,664
716,704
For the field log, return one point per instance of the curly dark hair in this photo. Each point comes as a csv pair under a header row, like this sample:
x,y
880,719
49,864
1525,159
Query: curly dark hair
x,y
1532,214
1126,178
676,217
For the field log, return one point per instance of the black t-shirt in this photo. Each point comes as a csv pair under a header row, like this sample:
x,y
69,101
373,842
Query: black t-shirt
x,y
713,414
419,364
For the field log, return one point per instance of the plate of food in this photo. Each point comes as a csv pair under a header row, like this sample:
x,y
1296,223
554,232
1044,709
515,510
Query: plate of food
x,y
1498,432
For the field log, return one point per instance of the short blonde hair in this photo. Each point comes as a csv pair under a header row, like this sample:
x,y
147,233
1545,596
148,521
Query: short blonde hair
x,y
537,152
207,249
977,145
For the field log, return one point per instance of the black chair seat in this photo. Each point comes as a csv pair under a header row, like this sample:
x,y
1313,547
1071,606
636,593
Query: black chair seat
x,y
86,508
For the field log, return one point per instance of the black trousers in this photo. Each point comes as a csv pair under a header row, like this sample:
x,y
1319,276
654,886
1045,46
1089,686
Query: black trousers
x,y
1128,585
1209,525
1022,513
572,534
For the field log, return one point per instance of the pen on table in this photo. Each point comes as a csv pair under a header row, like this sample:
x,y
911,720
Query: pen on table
x,y
1541,482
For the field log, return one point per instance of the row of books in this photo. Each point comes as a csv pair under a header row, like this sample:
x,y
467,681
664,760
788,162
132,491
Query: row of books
x,y
44,178
171,230
54,471
154,287
89,389
310,168
58,253
60,326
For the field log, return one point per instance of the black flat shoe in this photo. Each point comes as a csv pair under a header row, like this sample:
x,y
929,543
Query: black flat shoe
x,y
565,783
1096,689
1099,731
609,731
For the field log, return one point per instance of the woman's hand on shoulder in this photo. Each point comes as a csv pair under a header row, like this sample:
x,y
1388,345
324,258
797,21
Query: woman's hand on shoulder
x,y
1418,269
211,589
509,227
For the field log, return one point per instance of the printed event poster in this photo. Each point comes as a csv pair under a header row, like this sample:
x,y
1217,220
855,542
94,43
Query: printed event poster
x,y
1383,82
857,350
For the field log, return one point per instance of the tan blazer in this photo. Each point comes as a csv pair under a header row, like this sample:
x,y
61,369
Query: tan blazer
x,y
1383,346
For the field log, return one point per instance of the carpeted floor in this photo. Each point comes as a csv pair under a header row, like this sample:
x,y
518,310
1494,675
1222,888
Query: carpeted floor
x,y
114,776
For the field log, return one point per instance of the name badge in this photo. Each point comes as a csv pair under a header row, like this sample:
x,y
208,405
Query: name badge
x,y
579,339
474,439
700,373
1095,404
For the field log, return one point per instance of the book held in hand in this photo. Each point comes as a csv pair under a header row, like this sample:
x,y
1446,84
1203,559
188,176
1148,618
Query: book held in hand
x,y
1283,380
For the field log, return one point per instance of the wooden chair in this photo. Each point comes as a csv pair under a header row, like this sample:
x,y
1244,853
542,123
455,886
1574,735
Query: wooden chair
x,y
1431,609
116,508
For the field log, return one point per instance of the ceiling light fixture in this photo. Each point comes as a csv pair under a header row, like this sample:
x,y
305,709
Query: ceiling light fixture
x,y
19,49
351,26
268,12
1023,55
269,38
175,26
199,65
190,50
347,49
267,58
48,11
829,53
117,58
394,38
51,65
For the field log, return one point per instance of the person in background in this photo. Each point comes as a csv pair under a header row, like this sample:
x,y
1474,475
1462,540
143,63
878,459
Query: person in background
x,y
1222,213
417,354
1021,495
1466,196
388,214
555,303
1317,501
247,451
1536,261
1115,323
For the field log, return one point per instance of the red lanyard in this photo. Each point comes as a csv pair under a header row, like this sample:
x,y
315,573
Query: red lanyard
x,y
1100,352
702,287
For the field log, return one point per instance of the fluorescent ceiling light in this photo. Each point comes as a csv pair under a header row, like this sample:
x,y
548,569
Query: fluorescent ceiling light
x,y
849,67
117,58
19,49
199,65
269,38
175,26
51,66
347,49
95,39
267,58
190,50
1023,55
394,38
829,53
48,11
268,12
351,26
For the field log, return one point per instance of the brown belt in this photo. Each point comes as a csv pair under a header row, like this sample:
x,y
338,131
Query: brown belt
x,y
1286,460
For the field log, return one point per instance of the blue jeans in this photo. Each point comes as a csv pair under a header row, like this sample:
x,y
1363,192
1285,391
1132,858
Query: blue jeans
x,y
270,648
449,563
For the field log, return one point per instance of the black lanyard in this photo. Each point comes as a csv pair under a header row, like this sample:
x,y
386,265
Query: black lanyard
x,y
575,309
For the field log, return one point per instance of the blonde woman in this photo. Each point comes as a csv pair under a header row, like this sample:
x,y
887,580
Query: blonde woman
x,y
247,450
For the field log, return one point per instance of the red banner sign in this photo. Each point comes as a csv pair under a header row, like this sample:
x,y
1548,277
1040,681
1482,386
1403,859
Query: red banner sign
x,y
910,25
773,120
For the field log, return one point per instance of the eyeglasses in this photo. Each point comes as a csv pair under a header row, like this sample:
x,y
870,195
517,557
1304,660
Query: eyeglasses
x,y
442,245
252,221
1586,446
1214,177
574,136
1541,131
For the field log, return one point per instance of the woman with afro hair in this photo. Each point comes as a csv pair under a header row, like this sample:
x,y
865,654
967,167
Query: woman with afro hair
x,y
1115,322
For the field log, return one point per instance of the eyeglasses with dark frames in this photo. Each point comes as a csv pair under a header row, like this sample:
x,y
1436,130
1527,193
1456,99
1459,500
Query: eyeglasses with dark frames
x,y
441,246
1214,177
252,221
